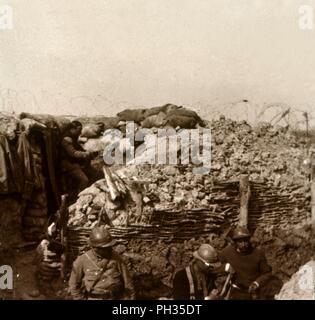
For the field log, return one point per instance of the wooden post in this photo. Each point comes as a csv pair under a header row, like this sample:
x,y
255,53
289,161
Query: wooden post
x,y
313,205
245,196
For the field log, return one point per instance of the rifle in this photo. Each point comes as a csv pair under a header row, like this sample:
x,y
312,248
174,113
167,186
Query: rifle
x,y
226,290
63,220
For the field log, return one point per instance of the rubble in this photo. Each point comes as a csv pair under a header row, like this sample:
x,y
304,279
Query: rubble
x,y
149,197
271,155
286,249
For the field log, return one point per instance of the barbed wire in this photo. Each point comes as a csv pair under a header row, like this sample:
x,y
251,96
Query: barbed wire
x,y
14,102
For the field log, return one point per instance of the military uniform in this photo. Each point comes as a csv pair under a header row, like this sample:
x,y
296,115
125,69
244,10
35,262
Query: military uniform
x,y
75,167
74,158
202,286
113,283
197,280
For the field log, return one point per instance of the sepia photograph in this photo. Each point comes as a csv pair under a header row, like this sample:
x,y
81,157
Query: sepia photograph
x,y
157,151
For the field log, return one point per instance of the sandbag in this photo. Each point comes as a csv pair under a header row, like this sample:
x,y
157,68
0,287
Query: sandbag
x,y
95,144
92,130
36,212
182,121
108,122
48,275
31,237
8,125
49,272
33,234
50,268
156,110
33,230
28,124
156,121
39,201
136,115
59,123
34,222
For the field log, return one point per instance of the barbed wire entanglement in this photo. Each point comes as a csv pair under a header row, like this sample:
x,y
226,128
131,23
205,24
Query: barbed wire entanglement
x,y
295,117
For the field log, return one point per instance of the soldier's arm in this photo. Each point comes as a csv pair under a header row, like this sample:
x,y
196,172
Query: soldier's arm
x,y
265,270
128,282
75,281
72,152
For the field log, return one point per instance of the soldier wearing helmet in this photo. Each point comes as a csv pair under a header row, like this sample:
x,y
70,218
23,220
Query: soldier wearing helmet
x,y
197,280
249,265
100,273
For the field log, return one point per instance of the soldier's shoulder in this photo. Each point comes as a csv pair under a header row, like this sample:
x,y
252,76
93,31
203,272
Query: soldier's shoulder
x,y
259,251
228,249
82,257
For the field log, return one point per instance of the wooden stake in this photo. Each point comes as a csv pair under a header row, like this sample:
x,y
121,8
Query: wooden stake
x,y
245,196
113,191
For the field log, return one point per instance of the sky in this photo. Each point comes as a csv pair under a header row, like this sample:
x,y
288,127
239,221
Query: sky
x,y
101,56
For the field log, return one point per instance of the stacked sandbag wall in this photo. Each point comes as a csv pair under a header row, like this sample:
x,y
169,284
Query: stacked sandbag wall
x,y
34,218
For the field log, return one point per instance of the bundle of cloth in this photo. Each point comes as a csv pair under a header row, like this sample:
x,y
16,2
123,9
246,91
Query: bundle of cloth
x,y
168,115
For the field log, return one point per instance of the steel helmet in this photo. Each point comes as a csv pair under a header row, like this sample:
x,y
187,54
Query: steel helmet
x,y
101,238
240,233
206,253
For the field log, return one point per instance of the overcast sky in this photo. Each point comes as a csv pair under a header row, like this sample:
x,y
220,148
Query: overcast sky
x,y
98,56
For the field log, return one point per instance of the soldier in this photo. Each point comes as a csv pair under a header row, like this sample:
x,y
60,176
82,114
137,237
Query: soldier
x,y
100,274
251,270
48,264
197,281
75,161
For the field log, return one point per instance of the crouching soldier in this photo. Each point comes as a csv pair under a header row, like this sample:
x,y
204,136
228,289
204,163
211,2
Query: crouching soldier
x,y
75,161
100,274
197,280
249,265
